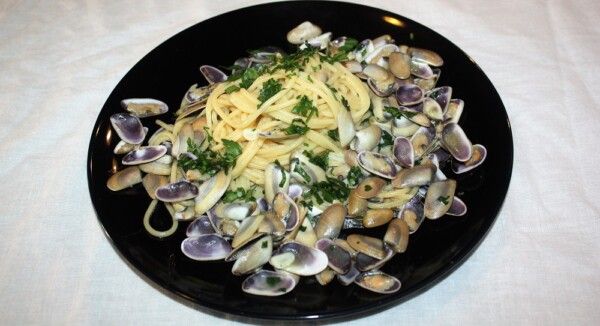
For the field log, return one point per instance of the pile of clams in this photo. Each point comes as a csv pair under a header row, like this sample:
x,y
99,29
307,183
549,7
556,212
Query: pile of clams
x,y
275,240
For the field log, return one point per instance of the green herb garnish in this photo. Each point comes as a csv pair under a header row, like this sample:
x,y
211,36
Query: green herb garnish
x,y
397,114
444,199
298,127
239,194
273,280
333,134
231,89
284,176
354,176
300,170
305,108
321,160
269,89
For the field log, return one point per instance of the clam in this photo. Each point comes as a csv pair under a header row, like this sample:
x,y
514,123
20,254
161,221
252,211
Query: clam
x,y
370,187
349,277
454,111
346,129
212,74
442,95
128,127
457,208
144,154
211,191
277,180
429,84
252,255
409,94
363,49
396,235
479,153
331,221
432,109
338,258
440,195
421,70
357,206
153,181
303,32
399,64
269,283
370,246
205,247
272,225
235,211
413,213
456,142
403,152
176,191
422,141
366,139
420,175
377,164
156,167
299,259
383,50
378,281
199,226
306,234
125,178
304,171
320,41
144,107
247,229
377,217
287,210
366,263
426,56
123,148
326,276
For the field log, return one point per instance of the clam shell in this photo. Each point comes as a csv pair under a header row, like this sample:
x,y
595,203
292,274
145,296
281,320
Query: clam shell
x,y
211,191
199,226
128,127
252,256
440,195
144,154
396,235
377,164
456,142
338,258
403,151
205,247
420,175
144,107
213,74
367,245
378,281
125,178
177,191
426,56
457,208
479,153
303,32
409,94
331,221
269,283
299,259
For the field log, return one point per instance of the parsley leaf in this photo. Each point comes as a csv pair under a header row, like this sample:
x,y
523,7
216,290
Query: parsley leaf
x,y
354,175
333,134
269,89
284,175
231,89
239,193
298,127
444,199
397,114
305,108
321,160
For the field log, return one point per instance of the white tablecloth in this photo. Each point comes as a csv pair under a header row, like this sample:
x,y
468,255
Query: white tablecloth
x,y
59,60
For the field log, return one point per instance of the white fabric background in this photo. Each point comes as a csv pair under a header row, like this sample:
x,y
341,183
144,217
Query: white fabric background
x,y
59,61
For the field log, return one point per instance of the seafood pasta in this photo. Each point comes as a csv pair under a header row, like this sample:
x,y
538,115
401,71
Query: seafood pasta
x,y
273,165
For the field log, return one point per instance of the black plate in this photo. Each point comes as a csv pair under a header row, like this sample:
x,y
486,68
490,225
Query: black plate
x,y
437,249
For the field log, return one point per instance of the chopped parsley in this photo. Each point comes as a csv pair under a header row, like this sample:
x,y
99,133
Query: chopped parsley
x,y
444,199
368,188
305,108
354,176
386,139
231,89
328,191
300,170
302,228
265,244
321,160
208,161
269,89
298,127
283,174
333,134
273,280
239,194
397,114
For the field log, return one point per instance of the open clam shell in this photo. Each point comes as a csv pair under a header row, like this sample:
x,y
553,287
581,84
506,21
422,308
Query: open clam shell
x,y
205,247
144,107
299,259
378,281
128,127
269,283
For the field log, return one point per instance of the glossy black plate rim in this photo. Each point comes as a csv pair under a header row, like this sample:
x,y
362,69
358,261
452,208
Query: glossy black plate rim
x,y
382,303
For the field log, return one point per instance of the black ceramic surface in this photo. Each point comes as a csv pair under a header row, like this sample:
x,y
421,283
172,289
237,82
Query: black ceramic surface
x,y
434,251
